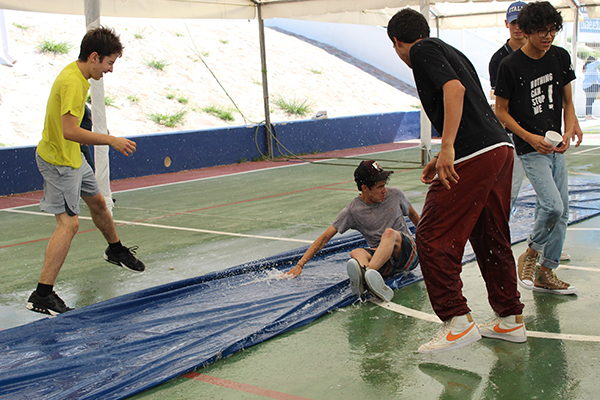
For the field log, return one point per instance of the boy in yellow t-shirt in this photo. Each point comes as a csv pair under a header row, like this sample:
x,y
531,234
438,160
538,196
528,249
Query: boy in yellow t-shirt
x,y
67,176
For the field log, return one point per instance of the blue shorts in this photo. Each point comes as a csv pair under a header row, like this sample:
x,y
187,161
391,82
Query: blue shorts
x,y
407,261
64,185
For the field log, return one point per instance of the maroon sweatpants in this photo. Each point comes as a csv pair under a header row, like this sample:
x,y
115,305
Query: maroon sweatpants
x,y
477,208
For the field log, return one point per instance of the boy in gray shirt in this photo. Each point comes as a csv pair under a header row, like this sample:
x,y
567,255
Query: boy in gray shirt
x,y
378,214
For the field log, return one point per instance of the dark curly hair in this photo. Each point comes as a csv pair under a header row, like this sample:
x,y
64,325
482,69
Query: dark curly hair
x,y
537,16
101,40
408,25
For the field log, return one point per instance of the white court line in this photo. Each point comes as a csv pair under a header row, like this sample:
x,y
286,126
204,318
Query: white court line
x,y
583,229
586,150
579,268
397,308
177,228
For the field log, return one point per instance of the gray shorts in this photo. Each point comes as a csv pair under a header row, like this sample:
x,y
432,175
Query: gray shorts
x,y
64,185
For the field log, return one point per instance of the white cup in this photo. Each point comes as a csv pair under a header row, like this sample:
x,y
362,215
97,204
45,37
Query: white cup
x,y
553,138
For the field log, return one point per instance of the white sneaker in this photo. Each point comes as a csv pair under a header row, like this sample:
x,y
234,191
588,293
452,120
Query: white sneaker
x,y
510,328
565,256
454,333
377,286
355,273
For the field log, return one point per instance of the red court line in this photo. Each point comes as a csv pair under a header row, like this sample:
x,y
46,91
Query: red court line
x,y
197,210
42,239
242,387
33,198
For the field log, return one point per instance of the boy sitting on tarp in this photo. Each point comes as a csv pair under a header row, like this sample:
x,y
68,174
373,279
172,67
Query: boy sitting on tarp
x,y
378,213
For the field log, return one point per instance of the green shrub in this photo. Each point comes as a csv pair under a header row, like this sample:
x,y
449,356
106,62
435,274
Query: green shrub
x,y
22,27
169,120
52,46
157,64
226,114
294,106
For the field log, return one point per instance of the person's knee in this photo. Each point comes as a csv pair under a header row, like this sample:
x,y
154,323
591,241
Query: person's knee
x,y
390,234
556,211
95,203
70,224
356,253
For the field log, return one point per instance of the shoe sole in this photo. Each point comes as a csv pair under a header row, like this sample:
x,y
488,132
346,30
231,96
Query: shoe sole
x,y
121,264
41,310
355,275
555,291
377,286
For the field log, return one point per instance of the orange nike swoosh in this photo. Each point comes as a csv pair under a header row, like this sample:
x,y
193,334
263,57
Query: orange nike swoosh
x,y
450,337
500,330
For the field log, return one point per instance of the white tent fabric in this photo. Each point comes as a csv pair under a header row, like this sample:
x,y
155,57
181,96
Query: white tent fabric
x,y
452,14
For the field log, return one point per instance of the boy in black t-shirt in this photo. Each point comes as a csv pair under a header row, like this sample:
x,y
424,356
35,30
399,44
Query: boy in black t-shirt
x,y
533,94
470,197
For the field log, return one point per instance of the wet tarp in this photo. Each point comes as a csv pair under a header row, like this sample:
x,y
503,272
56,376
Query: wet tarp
x,y
122,346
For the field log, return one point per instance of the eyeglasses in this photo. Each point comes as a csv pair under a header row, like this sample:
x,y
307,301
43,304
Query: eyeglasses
x,y
544,33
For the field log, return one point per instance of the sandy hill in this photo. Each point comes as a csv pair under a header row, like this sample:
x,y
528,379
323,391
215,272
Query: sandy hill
x,y
297,70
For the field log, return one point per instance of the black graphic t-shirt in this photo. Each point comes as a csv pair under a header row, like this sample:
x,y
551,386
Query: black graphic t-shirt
x,y
534,90
433,64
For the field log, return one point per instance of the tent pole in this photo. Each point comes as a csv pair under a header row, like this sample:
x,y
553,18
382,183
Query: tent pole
x,y
92,20
425,123
263,68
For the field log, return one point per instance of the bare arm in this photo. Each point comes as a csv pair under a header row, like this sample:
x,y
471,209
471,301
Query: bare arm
x,y
314,248
73,132
443,164
414,216
536,141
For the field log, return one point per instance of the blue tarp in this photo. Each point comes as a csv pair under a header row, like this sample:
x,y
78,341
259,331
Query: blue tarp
x,y
122,346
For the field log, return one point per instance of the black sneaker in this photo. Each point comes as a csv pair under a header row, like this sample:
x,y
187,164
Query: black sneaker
x,y
125,258
50,305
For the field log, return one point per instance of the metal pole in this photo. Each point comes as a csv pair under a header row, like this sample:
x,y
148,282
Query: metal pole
x,y
263,68
425,123
92,19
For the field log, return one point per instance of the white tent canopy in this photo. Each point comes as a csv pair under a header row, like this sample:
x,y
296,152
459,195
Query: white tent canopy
x,y
446,14
452,14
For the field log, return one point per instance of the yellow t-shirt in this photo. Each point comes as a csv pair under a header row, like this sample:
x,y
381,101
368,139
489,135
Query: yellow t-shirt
x,y
68,94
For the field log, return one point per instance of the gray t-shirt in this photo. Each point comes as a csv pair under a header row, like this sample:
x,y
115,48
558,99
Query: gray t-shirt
x,y
373,219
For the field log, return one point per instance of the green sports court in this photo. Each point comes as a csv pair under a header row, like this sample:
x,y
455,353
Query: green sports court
x,y
193,223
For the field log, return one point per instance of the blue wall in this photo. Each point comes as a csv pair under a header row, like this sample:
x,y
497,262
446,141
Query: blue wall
x,y
207,148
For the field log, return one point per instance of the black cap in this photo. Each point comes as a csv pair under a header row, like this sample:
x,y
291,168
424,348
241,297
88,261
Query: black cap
x,y
369,172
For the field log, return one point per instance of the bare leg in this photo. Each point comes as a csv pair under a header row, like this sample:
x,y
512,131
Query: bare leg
x,y
58,247
390,244
101,217
362,256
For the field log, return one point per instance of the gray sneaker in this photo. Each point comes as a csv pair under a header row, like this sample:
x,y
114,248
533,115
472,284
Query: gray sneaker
x,y
377,286
356,274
